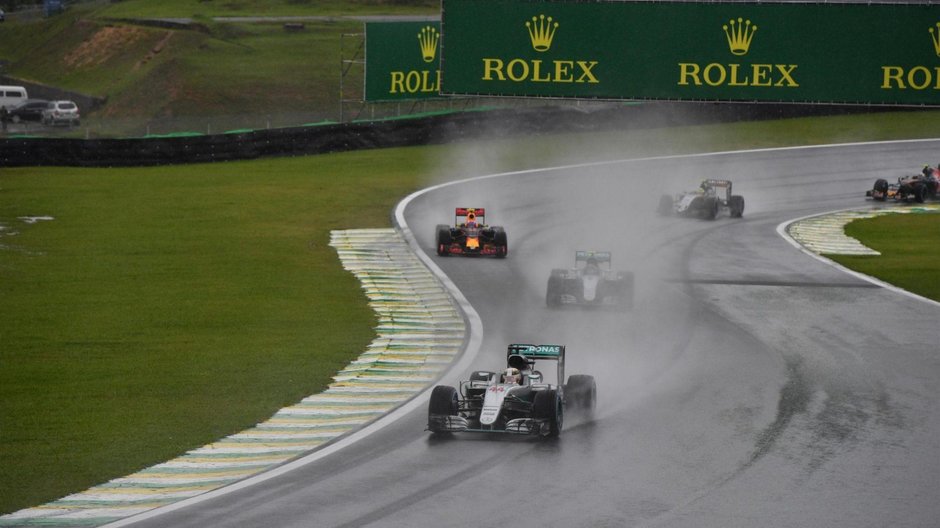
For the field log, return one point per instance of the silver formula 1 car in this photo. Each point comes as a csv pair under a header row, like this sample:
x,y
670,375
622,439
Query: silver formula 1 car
x,y
590,285
516,400
712,197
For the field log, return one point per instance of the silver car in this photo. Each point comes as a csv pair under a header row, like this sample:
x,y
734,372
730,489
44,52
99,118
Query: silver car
x,y
61,112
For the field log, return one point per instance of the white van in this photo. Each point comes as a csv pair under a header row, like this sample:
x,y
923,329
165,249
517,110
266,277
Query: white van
x,y
12,96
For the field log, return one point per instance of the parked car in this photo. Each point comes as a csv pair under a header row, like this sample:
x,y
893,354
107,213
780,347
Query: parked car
x,y
58,112
12,96
31,110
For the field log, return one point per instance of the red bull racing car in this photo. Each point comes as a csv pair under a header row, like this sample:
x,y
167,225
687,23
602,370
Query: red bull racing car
x,y
470,235
589,285
516,400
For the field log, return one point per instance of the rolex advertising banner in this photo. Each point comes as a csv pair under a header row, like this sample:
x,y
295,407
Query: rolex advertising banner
x,y
402,60
775,52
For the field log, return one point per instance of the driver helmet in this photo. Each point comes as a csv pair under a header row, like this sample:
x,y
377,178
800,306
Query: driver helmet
x,y
471,219
512,375
591,266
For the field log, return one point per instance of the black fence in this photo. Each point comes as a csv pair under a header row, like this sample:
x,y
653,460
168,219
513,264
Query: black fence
x,y
421,130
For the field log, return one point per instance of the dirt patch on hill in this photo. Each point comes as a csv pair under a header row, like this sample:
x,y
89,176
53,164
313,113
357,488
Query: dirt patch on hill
x,y
102,45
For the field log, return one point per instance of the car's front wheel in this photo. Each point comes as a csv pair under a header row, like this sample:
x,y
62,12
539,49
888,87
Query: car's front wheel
x,y
443,402
710,208
444,240
736,205
881,187
548,408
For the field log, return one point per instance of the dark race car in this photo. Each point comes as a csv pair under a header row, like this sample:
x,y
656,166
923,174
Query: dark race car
x,y
470,235
712,197
587,284
516,400
916,188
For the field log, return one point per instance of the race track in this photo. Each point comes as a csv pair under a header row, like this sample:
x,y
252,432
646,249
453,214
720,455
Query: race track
x,y
751,386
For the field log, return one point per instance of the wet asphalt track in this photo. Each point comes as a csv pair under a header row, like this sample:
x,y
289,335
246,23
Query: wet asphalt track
x,y
751,386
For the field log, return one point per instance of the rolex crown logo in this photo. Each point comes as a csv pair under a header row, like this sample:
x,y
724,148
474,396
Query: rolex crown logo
x,y
739,35
541,32
427,38
935,37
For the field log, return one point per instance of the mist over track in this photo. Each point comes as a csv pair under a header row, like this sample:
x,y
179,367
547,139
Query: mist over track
x,y
751,386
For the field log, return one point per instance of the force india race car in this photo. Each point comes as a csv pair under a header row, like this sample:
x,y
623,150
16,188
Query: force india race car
x,y
471,236
588,285
517,401
918,188
712,197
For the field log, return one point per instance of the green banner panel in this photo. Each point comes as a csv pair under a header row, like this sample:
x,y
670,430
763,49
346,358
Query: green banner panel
x,y
402,60
774,52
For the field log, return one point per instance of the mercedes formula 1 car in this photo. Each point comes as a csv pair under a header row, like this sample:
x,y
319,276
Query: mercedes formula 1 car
x,y
516,400
470,235
918,188
587,284
712,197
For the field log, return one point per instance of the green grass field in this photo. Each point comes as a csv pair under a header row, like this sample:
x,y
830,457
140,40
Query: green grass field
x,y
165,307
910,251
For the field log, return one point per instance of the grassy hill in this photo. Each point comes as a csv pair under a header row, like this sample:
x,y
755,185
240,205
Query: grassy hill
x,y
240,74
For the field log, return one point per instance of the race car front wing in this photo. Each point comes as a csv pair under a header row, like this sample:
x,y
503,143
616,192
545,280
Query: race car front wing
x,y
446,423
484,250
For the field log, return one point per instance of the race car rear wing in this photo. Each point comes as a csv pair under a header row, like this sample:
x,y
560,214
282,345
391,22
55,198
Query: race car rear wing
x,y
462,212
599,256
719,183
529,353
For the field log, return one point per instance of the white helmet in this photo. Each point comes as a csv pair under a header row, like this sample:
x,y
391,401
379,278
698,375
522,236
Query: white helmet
x,y
512,375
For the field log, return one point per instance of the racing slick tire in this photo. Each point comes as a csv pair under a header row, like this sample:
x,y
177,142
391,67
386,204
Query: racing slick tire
x,y
920,193
444,239
710,208
881,187
547,406
443,402
736,206
501,242
555,288
665,205
581,392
